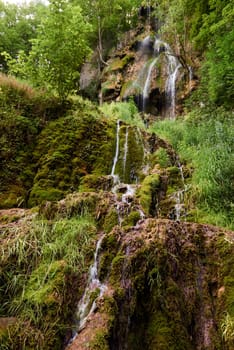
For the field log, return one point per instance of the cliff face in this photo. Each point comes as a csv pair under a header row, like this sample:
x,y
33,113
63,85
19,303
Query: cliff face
x,y
144,67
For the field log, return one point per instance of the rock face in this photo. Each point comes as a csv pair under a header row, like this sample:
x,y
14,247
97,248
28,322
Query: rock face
x,y
166,288
145,68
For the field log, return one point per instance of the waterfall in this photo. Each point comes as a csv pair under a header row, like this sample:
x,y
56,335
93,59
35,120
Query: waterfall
x,y
145,93
116,149
178,196
172,70
125,151
149,55
84,309
173,67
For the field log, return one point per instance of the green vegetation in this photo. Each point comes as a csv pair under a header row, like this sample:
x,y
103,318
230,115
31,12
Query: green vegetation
x,y
169,282
205,141
40,266
125,111
148,193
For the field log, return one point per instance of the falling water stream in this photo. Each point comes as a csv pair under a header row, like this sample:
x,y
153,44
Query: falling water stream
x,y
142,83
125,150
178,196
146,88
116,149
86,305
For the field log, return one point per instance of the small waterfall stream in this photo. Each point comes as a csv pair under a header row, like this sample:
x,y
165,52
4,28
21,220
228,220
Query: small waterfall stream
x,y
145,93
124,193
173,70
86,306
116,149
125,151
178,196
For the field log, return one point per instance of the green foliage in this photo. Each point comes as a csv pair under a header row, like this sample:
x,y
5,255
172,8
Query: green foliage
x,y
68,149
59,49
18,26
205,139
218,70
148,193
228,328
107,15
125,111
38,268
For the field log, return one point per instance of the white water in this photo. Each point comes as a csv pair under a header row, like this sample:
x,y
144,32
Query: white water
x,y
179,196
146,88
125,150
116,149
173,67
141,85
83,309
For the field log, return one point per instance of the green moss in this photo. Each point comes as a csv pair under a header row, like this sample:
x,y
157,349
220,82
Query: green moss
x,y
92,183
129,171
119,63
161,157
109,250
111,220
39,195
148,193
131,219
117,268
100,341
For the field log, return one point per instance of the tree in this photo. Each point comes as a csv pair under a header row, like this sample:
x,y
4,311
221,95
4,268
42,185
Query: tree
x,y
18,25
59,49
109,18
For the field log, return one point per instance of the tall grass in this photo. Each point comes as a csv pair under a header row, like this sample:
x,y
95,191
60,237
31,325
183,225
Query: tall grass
x,y
205,139
125,111
39,262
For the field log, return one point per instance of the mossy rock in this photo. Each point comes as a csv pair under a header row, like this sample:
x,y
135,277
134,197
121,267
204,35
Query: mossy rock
x,y
148,193
161,157
92,183
109,250
111,220
40,194
131,219
119,63
108,86
129,164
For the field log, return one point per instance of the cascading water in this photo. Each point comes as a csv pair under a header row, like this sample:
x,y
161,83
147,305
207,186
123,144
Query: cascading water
x,y
173,70
178,197
149,54
173,66
116,149
125,151
145,93
84,309
124,193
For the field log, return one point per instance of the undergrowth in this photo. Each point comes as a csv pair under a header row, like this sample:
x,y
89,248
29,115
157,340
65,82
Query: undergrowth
x,y
125,111
42,263
204,139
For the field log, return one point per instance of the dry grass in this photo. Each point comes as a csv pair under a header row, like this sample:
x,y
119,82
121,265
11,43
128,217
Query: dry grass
x,y
14,84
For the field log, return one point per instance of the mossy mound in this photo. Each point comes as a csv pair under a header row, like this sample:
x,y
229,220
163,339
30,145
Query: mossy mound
x,y
172,287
